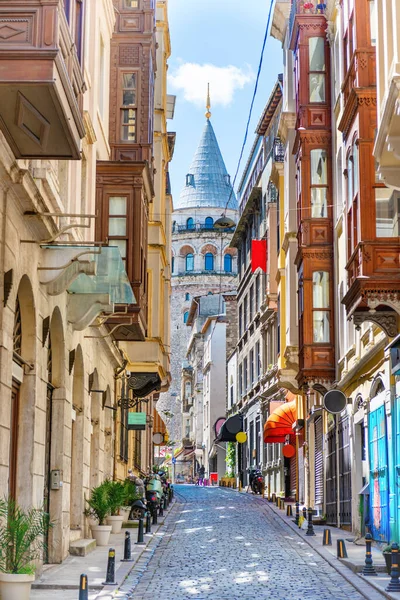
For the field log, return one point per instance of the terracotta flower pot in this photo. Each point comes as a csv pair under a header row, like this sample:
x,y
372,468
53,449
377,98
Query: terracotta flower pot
x,y
15,587
101,534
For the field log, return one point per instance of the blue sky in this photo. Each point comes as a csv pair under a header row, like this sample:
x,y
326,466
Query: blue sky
x,y
220,41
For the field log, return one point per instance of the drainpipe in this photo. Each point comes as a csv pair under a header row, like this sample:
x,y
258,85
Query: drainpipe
x,y
3,253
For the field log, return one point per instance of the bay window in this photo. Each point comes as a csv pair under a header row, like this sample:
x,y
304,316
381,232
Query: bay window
x,y
117,223
319,183
128,107
321,310
316,53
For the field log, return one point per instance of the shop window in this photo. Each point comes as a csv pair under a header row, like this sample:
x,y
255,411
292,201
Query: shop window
x,y
321,310
319,183
189,262
128,107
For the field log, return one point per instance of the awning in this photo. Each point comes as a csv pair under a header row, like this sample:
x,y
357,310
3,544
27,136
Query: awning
x,y
279,423
230,428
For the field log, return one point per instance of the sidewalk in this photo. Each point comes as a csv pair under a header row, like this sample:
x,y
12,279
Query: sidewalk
x,y
372,588
62,581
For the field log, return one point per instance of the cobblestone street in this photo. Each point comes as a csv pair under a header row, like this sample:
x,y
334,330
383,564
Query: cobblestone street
x,y
223,545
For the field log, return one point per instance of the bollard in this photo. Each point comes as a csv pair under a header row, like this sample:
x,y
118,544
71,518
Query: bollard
x,y
110,577
305,513
148,522
273,497
282,506
165,503
161,510
127,548
296,520
155,515
277,500
327,538
369,568
83,588
394,583
289,511
341,549
310,528
140,538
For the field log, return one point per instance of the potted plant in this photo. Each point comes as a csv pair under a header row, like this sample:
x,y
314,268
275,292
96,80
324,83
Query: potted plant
x,y
131,494
387,555
116,496
23,534
99,509
308,6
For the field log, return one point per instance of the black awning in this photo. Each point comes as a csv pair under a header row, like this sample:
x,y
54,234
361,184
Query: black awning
x,y
230,428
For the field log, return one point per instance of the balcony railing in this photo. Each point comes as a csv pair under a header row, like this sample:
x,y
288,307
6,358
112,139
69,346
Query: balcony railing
x,y
198,227
304,8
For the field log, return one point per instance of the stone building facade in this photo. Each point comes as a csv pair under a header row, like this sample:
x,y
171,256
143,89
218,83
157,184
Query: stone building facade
x,y
202,261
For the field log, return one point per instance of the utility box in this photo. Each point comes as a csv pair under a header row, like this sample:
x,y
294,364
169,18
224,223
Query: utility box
x,y
55,479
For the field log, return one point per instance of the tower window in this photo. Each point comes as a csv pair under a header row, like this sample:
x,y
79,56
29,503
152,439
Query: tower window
x,y
209,223
189,262
189,179
228,263
190,223
187,296
209,262
186,316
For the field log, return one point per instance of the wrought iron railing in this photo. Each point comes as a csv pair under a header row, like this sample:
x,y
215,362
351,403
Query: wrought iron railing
x,y
199,227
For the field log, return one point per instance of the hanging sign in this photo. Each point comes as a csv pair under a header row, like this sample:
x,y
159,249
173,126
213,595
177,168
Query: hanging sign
x,y
136,421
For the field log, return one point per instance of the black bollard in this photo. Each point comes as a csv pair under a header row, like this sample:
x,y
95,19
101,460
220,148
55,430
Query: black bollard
x,y
83,588
155,515
110,577
305,513
140,538
165,502
289,511
394,583
341,549
148,522
310,528
327,538
296,520
161,511
127,548
369,568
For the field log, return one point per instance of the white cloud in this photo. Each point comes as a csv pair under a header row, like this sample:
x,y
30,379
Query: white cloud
x,y
192,78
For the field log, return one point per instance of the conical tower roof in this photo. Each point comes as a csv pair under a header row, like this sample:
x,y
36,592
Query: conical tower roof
x,y
208,184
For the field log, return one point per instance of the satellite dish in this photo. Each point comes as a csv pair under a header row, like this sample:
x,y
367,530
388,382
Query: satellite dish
x,y
335,401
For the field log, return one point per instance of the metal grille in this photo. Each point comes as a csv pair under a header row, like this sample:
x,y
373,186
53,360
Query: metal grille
x,y
344,471
319,462
331,501
17,333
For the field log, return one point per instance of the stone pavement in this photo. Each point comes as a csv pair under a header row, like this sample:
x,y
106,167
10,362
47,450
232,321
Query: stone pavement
x,y
61,582
228,546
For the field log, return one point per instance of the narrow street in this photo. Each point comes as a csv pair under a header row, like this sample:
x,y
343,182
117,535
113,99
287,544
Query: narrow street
x,y
224,545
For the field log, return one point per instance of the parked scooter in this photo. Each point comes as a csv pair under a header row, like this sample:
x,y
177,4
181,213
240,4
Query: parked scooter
x,y
256,481
154,492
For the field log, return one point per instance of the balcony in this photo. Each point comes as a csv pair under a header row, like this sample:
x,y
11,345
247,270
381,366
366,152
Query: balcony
x,y
41,83
199,227
374,284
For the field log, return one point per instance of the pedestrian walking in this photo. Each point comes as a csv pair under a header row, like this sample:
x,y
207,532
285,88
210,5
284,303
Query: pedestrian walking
x,y
201,475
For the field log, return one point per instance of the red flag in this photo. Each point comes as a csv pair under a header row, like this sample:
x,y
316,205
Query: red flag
x,y
258,255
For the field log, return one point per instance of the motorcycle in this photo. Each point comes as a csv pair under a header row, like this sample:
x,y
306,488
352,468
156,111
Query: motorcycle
x,y
256,481
154,493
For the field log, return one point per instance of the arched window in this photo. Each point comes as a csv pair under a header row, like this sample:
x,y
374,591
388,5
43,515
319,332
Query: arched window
x,y
186,316
173,226
209,262
190,223
172,264
189,262
187,296
228,263
209,223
